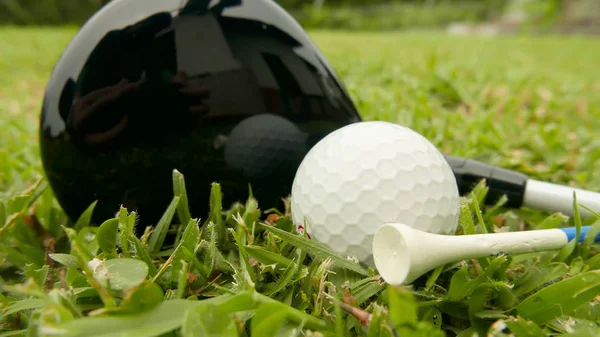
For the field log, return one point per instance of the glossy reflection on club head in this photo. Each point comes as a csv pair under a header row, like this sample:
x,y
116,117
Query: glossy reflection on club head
x,y
142,90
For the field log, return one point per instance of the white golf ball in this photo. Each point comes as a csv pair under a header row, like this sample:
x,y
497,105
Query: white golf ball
x,y
369,173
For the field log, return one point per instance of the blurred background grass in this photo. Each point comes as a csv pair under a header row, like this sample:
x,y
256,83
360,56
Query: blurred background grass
x,y
511,82
539,15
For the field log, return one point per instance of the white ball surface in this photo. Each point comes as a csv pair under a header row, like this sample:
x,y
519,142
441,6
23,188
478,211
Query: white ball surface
x,y
366,174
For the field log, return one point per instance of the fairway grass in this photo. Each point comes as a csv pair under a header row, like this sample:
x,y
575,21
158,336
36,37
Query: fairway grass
x,y
526,103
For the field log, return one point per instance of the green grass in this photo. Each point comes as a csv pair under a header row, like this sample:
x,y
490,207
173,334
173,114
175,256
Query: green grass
x,y
524,103
26,60
393,15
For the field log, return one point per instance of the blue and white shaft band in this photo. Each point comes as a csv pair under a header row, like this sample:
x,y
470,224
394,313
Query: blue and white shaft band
x,y
571,233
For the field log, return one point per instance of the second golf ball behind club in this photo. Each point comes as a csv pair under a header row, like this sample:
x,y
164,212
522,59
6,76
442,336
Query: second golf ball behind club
x,y
369,173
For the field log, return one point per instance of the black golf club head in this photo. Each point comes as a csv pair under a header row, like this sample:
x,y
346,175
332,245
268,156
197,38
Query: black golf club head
x,y
159,87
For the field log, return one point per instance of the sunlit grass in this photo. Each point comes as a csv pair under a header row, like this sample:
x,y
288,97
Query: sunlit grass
x,y
526,103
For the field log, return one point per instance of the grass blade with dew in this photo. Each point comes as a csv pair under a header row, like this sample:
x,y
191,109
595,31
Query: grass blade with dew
x,y
87,238
120,274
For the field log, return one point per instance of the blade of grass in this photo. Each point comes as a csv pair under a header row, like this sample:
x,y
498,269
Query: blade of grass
x,y
167,316
364,293
560,298
478,214
85,217
2,212
378,323
126,223
247,270
67,260
190,238
191,257
107,238
467,223
267,320
285,278
521,327
317,249
576,220
26,304
179,190
294,315
267,257
216,213
157,238
209,320
13,333
182,280
143,255
23,201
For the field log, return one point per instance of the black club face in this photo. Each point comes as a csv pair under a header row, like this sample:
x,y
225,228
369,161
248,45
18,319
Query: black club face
x,y
145,89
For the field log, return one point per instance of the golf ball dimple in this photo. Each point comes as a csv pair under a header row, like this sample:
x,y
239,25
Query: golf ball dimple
x,y
369,173
264,144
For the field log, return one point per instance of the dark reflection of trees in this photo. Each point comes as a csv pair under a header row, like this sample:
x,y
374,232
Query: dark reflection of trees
x,y
149,100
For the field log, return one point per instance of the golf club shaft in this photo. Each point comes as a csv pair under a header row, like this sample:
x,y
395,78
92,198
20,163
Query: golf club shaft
x,y
519,189
557,198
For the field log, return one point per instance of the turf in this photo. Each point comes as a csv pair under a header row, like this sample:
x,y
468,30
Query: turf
x,y
526,103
